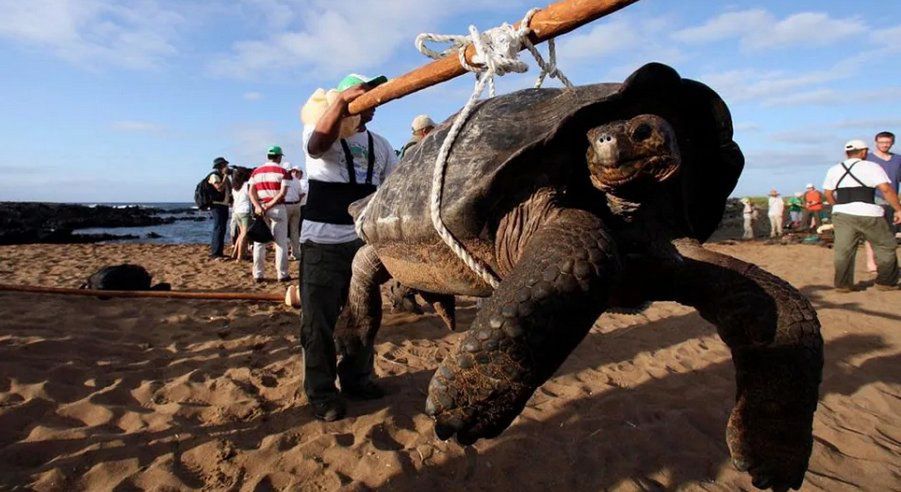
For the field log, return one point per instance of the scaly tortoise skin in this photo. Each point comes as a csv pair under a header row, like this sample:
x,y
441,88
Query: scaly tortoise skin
x,y
573,198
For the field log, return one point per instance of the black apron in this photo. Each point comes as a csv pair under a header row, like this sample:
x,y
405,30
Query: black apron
x,y
862,193
327,202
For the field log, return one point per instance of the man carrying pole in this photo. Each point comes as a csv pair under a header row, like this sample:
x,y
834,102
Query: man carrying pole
x,y
340,171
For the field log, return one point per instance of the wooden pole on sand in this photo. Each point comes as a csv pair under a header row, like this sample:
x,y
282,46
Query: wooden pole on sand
x,y
167,294
549,22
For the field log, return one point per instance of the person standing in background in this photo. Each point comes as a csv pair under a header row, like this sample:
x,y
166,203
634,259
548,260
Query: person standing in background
x,y
775,212
891,164
267,192
422,125
851,188
748,214
242,210
795,208
294,200
813,208
218,179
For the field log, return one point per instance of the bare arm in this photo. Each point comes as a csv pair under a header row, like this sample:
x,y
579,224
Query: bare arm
x,y
279,197
329,125
221,184
830,196
255,200
892,198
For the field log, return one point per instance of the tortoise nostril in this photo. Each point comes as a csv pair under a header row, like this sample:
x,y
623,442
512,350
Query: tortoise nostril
x,y
641,132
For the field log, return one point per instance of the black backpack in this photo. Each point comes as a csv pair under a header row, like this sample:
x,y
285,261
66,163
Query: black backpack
x,y
204,193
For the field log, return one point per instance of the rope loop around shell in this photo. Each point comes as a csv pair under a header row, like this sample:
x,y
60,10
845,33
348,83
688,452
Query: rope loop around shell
x,y
496,53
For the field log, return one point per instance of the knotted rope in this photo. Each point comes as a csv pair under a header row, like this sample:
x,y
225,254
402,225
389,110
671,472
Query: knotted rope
x,y
496,53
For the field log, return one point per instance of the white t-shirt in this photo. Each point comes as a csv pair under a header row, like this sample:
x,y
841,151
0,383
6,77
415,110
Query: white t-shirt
x,y
294,191
869,173
776,207
331,167
241,204
304,190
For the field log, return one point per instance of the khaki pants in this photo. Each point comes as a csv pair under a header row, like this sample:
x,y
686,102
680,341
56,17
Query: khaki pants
x,y
294,227
849,230
775,225
278,223
323,293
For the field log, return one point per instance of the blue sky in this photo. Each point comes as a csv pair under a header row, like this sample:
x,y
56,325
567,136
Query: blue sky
x,y
105,100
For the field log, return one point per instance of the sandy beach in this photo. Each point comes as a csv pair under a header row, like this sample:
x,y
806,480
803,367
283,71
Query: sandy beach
x,y
174,394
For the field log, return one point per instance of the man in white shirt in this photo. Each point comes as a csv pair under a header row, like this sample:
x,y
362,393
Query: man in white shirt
x,y
340,171
294,199
851,188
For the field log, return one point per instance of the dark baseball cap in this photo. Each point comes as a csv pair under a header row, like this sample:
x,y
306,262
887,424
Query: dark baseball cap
x,y
219,161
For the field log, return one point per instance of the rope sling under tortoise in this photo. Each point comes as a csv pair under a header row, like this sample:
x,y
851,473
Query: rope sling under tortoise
x,y
496,54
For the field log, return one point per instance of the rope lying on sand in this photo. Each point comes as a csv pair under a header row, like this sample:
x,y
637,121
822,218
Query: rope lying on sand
x,y
172,294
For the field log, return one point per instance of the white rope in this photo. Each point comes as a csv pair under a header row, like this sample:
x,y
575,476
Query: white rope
x,y
496,53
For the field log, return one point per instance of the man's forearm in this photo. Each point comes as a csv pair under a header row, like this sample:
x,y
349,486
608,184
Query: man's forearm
x,y
328,128
892,198
830,197
279,197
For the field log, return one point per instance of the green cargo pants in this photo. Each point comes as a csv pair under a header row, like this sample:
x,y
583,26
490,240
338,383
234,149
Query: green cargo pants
x,y
323,293
849,230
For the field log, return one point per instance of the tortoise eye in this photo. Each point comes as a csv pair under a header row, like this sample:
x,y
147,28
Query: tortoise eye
x,y
642,132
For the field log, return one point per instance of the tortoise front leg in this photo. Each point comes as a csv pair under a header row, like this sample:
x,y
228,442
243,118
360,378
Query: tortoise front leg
x,y
774,335
525,330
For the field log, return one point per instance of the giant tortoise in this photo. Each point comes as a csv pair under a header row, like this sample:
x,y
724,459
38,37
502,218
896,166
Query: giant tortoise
x,y
582,200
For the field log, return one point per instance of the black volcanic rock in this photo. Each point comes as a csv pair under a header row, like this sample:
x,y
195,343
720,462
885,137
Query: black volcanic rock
x,y
27,222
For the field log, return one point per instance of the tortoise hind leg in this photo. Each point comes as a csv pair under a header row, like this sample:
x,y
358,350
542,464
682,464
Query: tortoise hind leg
x,y
361,317
777,351
525,330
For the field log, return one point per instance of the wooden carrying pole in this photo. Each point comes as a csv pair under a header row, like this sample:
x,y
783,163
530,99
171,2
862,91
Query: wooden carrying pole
x,y
549,22
168,294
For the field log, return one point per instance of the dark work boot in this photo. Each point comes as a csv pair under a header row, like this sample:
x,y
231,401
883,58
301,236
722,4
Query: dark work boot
x,y
330,410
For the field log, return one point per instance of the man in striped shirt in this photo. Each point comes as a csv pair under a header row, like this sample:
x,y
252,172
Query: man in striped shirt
x,y
268,184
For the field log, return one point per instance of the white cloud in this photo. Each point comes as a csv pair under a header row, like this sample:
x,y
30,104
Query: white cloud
x,y
758,29
747,127
890,38
631,42
832,98
137,126
336,37
819,156
252,96
746,84
807,136
869,123
93,33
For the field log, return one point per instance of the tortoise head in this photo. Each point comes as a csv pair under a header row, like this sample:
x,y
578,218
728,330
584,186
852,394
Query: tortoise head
x,y
623,152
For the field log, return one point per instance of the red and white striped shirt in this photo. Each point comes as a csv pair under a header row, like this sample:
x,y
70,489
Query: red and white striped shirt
x,y
267,180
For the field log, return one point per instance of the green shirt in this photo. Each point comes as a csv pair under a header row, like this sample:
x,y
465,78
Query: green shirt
x,y
794,204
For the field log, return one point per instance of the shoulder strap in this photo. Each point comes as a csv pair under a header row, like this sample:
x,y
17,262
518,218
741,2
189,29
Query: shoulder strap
x,y
349,160
371,159
848,173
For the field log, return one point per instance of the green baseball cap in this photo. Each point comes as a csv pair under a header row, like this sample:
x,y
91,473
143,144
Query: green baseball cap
x,y
274,150
355,78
